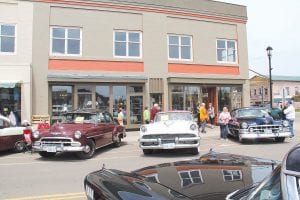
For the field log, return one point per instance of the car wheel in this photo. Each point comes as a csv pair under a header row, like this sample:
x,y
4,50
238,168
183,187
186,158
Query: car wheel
x,y
148,151
117,141
241,140
19,146
279,139
194,151
88,151
47,154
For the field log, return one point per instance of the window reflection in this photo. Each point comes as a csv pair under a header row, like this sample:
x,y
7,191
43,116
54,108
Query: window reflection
x,y
61,99
84,97
102,98
190,177
119,100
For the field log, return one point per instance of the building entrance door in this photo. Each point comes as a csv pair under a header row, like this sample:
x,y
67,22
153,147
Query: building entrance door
x,y
136,109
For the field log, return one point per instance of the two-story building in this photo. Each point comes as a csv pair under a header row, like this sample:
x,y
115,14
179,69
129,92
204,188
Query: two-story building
x,y
106,54
284,88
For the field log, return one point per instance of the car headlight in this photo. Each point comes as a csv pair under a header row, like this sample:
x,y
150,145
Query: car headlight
x,y
193,127
251,129
77,134
36,134
244,125
143,129
285,123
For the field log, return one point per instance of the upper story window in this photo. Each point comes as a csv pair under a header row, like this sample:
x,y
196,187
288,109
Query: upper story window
x,y
180,47
127,44
7,38
226,51
66,41
232,175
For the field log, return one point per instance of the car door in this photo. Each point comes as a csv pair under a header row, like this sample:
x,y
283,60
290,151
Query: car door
x,y
99,130
110,125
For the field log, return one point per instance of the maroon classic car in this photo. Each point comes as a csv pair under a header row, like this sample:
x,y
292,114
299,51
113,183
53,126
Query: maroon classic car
x,y
11,137
81,131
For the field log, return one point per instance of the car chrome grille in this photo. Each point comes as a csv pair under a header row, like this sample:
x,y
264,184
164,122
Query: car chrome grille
x,y
56,141
264,128
168,136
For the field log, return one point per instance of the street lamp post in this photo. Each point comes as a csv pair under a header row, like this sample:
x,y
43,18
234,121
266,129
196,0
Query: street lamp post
x,y
269,52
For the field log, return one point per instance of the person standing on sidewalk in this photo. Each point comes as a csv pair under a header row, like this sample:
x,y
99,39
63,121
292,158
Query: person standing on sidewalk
x,y
203,117
290,116
211,114
223,121
146,115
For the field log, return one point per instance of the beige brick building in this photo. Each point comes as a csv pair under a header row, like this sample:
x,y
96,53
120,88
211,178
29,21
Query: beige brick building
x,y
106,54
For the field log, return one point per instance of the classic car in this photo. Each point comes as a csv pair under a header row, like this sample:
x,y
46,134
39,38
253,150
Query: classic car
x,y
211,177
81,131
282,183
170,130
11,137
255,123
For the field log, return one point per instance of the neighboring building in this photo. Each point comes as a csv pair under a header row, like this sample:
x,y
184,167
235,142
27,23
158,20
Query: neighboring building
x,y
16,19
105,54
284,89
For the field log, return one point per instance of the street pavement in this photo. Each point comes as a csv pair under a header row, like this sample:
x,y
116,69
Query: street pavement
x,y
27,176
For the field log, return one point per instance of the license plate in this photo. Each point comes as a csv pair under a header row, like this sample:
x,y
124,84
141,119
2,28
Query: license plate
x,y
50,148
268,131
169,146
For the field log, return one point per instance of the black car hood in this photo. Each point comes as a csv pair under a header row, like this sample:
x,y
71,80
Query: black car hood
x,y
211,177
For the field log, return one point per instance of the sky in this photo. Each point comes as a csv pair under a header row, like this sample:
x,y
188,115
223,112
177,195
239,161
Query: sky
x,y
273,23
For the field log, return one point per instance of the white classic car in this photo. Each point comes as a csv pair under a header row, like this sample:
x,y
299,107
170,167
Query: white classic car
x,y
11,137
170,130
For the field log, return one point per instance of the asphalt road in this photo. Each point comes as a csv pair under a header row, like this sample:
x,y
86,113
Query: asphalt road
x,y
26,176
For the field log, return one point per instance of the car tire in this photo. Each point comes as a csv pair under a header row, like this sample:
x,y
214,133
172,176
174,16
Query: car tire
x,y
89,151
280,139
47,154
20,146
147,151
118,141
194,151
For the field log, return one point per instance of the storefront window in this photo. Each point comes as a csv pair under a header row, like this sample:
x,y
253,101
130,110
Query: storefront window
x,y
192,95
102,97
10,100
61,99
119,100
135,89
230,97
177,101
84,97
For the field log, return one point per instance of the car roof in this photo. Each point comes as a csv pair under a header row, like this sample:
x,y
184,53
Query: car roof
x,y
175,111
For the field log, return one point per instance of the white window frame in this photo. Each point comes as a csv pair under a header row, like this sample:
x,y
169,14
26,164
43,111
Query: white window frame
x,y
226,50
179,39
231,174
15,36
66,41
127,42
190,177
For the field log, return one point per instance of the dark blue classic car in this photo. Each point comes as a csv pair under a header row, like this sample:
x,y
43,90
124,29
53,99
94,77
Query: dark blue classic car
x,y
256,123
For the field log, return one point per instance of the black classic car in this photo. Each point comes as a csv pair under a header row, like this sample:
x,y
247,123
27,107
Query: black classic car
x,y
81,131
255,123
211,177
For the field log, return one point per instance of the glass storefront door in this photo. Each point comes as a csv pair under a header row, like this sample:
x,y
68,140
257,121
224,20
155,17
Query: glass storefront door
x,y
136,109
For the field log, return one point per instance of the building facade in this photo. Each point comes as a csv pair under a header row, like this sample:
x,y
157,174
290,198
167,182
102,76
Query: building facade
x,y
16,18
284,89
106,54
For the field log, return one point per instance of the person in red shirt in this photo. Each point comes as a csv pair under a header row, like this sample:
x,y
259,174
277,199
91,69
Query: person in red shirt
x,y
43,125
153,111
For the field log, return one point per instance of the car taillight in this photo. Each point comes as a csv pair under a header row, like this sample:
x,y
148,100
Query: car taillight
x,y
27,134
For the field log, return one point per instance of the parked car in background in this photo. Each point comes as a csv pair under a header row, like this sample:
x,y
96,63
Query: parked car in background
x,y
170,130
212,176
255,123
11,137
81,131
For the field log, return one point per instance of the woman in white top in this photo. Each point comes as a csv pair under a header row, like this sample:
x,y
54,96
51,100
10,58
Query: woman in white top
x,y
223,122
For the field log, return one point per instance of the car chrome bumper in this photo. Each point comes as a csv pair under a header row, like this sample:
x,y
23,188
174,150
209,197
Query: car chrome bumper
x,y
76,147
249,135
180,143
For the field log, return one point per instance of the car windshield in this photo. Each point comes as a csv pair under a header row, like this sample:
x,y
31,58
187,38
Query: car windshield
x,y
173,116
252,113
79,118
